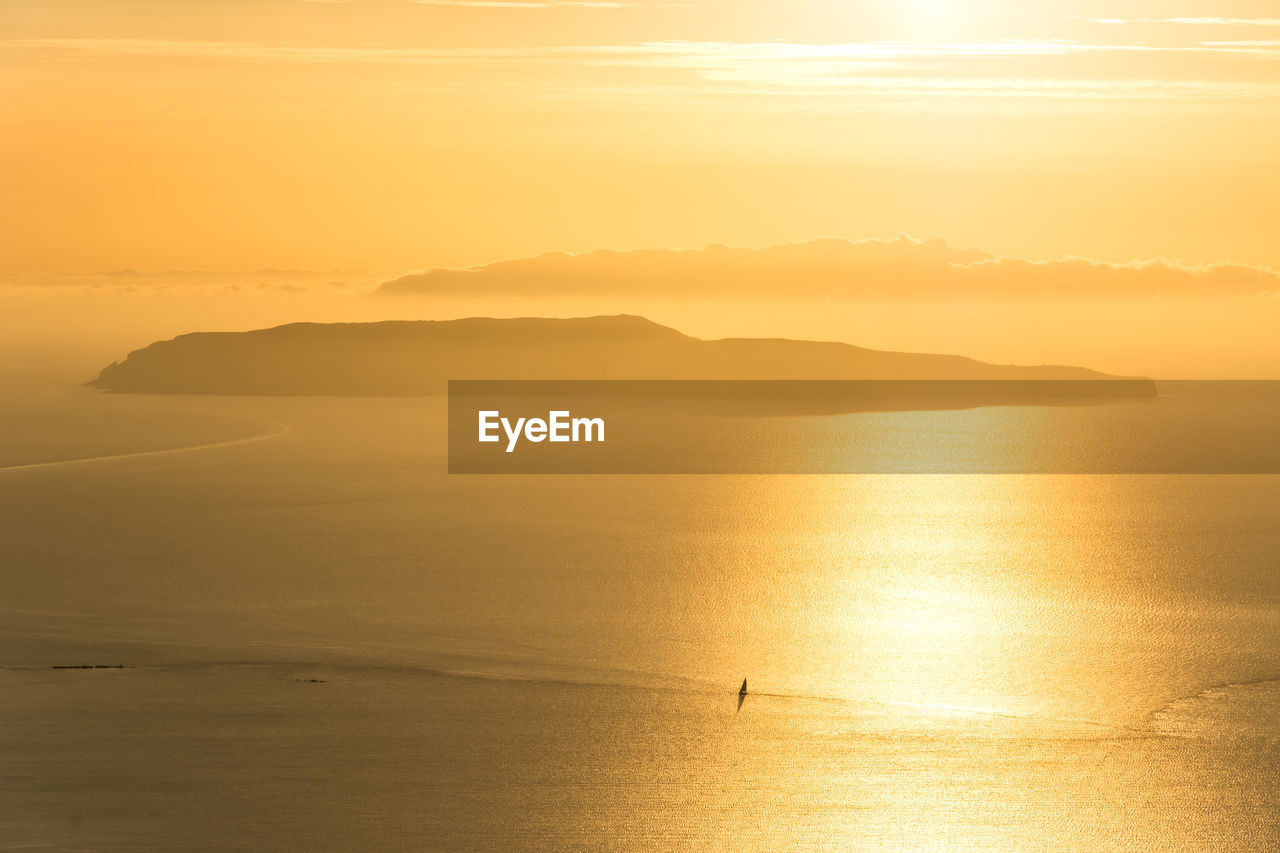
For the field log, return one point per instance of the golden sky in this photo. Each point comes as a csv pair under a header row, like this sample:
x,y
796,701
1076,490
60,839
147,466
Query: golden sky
x,y
400,135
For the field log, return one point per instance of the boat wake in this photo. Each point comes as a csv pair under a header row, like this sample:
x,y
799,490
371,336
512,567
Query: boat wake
x,y
278,429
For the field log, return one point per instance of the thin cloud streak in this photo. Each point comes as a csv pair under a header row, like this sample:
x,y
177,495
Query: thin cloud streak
x,y
908,69
516,4
1205,22
780,51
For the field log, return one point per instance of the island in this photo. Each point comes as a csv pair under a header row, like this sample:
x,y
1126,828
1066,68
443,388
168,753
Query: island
x,y
403,358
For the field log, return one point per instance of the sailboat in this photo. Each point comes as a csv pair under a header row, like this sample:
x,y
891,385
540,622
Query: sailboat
x,y
743,691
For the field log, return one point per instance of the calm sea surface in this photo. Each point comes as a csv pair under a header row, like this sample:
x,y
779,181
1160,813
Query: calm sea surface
x,y
331,644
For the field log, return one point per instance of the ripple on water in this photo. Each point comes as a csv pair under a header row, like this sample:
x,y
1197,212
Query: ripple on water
x,y
1250,709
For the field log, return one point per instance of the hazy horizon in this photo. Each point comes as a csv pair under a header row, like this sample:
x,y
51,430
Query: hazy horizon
x,y
1151,317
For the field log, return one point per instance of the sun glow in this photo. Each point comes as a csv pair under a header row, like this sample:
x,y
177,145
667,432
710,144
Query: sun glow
x,y
930,18
928,8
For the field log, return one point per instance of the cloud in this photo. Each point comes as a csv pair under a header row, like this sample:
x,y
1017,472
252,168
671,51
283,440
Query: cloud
x,y
676,53
903,268
1203,22
1267,44
892,75
191,280
526,4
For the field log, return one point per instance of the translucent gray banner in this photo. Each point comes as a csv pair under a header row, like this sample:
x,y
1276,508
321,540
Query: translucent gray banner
x,y
863,427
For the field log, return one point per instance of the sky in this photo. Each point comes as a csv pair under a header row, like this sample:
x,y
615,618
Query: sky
x,y
362,141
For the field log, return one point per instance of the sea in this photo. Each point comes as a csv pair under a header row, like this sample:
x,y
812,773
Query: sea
x,y
279,624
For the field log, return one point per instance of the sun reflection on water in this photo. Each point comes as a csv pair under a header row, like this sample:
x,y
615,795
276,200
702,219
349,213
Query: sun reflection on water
x,y
922,593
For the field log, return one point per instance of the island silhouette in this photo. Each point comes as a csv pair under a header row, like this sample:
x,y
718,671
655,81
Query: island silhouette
x,y
403,358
